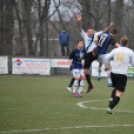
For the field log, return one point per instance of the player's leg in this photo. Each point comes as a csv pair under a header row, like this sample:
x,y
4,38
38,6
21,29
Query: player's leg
x,y
87,64
114,81
70,84
82,83
120,88
76,74
99,71
109,76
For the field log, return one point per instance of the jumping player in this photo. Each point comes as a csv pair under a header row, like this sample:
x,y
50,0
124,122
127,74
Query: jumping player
x,y
104,41
122,56
77,55
89,38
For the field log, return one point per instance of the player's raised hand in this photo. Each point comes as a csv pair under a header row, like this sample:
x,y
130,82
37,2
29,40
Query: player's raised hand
x,y
79,18
111,24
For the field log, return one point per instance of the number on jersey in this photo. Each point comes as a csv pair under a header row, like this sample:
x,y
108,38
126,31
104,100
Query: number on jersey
x,y
120,57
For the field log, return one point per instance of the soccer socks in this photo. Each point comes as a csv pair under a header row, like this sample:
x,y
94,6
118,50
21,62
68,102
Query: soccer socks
x,y
75,85
115,101
82,83
99,72
79,82
71,82
88,80
109,77
113,93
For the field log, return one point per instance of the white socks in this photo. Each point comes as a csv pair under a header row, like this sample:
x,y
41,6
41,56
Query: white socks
x,y
99,72
75,85
109,77
82,83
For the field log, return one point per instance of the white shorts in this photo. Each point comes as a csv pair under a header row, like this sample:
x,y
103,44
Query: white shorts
x,y
101,58
78,72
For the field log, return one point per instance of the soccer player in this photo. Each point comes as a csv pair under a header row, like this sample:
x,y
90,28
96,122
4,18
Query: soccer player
x,y
89,38
104,41
122,56
77,55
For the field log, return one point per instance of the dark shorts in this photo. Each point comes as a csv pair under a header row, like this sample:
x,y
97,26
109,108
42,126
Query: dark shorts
x,y
119,81
89,58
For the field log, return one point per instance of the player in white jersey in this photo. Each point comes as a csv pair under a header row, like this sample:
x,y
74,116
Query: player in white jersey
x,y
122,57
90,45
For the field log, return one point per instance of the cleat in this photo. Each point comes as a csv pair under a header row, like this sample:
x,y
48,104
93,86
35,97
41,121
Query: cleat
x,y
69,89
99,78
89,89
109,84
109,111
79,93
75,94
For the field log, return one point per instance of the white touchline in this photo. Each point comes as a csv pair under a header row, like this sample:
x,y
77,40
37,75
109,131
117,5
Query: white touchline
x,y
63,128
80,104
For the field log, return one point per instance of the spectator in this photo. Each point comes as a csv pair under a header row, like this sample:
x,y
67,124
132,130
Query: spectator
x,y
64,39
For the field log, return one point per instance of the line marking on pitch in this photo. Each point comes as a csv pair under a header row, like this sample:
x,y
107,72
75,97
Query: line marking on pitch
x,y
63,128
81,104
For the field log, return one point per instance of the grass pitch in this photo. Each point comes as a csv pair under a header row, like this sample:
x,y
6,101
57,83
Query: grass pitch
x,y
42,105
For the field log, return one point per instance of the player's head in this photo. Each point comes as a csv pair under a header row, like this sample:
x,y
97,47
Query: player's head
x,y
113,32
63,29
124,41
90,32
80,44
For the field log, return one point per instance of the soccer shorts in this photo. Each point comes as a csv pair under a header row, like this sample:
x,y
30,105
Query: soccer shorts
x,y
89,58
119,81
78,72
101,58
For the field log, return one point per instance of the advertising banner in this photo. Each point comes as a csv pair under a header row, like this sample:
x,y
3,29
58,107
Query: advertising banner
x,y
3,65
61,63
130,72
30,66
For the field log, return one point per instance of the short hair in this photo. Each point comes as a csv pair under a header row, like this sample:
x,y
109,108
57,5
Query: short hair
x,y
114,31
90,28
124,41
79,41
63,28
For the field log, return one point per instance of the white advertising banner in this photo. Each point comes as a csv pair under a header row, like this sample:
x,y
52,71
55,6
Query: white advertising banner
x,y
95,67
3,65
62,63
31,66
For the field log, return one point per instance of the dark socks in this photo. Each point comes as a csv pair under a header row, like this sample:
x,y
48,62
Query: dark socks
x,y
79,83
115,101
113,93
89,80
71,82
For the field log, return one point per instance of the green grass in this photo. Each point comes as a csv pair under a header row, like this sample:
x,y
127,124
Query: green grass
x,y
28,102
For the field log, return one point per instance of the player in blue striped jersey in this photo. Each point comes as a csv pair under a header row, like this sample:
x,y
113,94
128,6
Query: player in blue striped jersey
x,y
75,58
104,40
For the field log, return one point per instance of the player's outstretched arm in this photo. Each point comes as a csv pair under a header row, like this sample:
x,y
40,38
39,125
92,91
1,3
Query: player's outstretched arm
x,y
79,22
108,57
69,62
106,29
132,60
117,45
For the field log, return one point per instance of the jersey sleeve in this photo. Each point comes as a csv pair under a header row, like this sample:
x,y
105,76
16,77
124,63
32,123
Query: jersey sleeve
x,y
97,34
113,41
108,57
132,59
71,56
83,34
